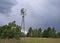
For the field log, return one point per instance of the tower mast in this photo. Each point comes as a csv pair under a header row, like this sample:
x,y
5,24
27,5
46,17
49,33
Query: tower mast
x,y
23,19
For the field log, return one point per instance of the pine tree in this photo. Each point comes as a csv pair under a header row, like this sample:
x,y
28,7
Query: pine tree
x,y
39,32
29,34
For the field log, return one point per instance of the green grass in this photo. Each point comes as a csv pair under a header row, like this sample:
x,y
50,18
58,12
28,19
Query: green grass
x,y
31,40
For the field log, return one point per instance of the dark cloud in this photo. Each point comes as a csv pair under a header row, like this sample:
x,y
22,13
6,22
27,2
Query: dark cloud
x,y
40,13
6,5
43,13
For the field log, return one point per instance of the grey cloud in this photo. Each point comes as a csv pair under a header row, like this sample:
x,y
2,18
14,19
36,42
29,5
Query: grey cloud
x,y
40,13
43,13
6,5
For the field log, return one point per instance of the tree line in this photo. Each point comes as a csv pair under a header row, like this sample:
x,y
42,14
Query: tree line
x,y
12,30
46,33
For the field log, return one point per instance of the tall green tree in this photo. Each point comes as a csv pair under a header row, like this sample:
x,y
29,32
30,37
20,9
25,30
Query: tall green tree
x,y
29,34
44,33
47,33
58,35
15,29
39,32
0,30
53,33
35,33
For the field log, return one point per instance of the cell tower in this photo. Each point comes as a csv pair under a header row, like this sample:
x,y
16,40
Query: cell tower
x,y
23,19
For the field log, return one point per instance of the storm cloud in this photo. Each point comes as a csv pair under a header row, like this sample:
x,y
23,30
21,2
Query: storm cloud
x,y
39,13
42,13
6,5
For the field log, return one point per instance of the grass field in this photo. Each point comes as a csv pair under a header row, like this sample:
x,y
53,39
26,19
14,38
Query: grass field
x,y
31,40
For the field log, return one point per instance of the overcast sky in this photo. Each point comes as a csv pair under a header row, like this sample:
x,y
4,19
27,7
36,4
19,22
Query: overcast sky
x,y
39,13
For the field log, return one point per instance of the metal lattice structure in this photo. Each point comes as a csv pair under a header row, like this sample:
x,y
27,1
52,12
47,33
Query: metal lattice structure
x,y
23,19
